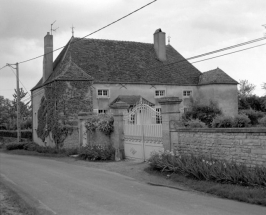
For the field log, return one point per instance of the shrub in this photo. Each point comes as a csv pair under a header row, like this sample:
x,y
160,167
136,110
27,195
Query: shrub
x,y
97,152
47,150
253,115
31,146
241,121
105,123
262,121
15,146
195,123
222,122
69,151
205,113
202,168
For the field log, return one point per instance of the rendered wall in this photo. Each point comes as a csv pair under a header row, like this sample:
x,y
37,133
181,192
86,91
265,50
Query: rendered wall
x,y
144,90
36,101
243,146
225,96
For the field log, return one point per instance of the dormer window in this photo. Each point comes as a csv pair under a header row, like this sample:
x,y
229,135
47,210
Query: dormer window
x,y
159,93
103,93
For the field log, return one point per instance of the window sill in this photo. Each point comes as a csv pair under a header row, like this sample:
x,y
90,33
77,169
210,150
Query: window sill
x,y
103,97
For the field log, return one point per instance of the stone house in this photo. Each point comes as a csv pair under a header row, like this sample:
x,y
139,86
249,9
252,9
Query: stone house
x,y
90,74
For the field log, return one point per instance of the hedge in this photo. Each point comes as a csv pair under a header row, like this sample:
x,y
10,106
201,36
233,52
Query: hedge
x,y
24,134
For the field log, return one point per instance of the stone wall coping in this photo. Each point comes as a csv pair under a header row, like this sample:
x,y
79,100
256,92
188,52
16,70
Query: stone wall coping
x,y
169,100
222,130
119,105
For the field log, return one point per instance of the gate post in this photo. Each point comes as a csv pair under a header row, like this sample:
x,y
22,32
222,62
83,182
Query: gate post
x,y
118,109
170,112
82,116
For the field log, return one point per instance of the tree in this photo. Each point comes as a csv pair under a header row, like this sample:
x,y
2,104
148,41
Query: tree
x,y
264,97
6,113
246,98
24,108
245,88
264,87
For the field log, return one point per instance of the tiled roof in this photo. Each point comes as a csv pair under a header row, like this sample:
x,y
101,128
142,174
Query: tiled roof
x,y
109,61
216,76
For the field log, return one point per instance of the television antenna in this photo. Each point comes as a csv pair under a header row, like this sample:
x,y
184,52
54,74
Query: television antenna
x,y
52,28
169,38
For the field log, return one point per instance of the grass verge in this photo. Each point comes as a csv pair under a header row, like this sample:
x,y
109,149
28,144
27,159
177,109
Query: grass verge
x,y
253,195
12,203
33,153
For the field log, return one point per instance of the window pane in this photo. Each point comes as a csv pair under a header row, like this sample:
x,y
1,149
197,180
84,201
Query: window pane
x,y
99,92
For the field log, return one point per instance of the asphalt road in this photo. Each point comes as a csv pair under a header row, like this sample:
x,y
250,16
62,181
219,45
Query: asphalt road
x,y
55,187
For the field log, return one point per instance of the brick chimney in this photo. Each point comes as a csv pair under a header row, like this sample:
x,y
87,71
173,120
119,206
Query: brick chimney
x,y
47,58
159,44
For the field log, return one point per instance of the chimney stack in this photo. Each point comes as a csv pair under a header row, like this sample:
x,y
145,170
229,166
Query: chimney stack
x,y
47,58
159,44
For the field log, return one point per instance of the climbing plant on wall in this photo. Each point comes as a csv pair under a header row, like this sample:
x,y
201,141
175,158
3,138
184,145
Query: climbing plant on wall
x,y
102,122
60,106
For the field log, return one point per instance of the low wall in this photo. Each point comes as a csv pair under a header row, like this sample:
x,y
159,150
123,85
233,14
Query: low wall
x,y
243,146
99,138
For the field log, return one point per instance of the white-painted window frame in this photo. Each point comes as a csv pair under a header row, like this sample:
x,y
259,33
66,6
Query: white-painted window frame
x,y
185,92
103,96
159,96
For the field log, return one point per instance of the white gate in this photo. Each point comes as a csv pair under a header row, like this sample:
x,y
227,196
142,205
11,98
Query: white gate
x,y
142,132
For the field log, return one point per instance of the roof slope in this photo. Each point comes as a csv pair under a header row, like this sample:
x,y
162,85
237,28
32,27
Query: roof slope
x,y
69,71
109,61
216,76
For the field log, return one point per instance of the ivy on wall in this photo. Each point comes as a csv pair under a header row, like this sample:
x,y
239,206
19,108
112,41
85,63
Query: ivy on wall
x,y
59,108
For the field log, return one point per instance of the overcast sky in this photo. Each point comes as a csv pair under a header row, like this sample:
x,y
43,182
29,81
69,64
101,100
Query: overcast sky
x,y
195,27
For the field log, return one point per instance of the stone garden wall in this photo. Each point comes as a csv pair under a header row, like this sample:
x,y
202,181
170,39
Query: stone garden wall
x,y
243,146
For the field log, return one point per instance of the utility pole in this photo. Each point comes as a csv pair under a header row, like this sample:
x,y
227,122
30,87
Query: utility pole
x,y
18,102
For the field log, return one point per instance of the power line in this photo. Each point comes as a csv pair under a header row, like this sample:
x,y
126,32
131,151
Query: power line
x,y
3,67
229,47
229,53
92,32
